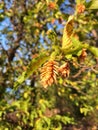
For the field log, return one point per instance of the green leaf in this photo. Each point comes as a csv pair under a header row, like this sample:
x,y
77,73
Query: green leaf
x,y
75,47
67,120
57,117
59,2
86,109
52,36
47,1
69,56
67,33
33,66
93,50
42,124
93,4
80,1
57,127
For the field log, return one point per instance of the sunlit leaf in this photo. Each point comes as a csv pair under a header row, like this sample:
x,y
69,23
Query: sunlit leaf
x,y
33,66
93,4
67,33
80,1
93,50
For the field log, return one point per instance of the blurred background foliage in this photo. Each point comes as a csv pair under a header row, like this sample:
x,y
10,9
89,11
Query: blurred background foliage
x,y
29,28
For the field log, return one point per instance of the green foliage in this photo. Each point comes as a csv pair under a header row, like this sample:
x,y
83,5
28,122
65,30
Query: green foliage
x,y
80,2
36,32
33,66
93,4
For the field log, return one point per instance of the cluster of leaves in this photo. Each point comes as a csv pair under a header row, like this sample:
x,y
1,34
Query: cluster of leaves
x,y
37,31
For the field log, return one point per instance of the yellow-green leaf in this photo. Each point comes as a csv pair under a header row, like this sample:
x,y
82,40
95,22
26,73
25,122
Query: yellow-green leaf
x,y
67,34
80,1
93,4
93,50
33,66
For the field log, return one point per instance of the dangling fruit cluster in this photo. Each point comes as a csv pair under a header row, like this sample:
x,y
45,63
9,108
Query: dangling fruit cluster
x,y
80,8
64,70
52,5
83,55
49,73
50,70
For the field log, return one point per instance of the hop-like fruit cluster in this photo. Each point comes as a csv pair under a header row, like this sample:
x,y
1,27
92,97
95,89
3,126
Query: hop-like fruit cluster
x,y
80,8
49,73
64,70
52,5
83,55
